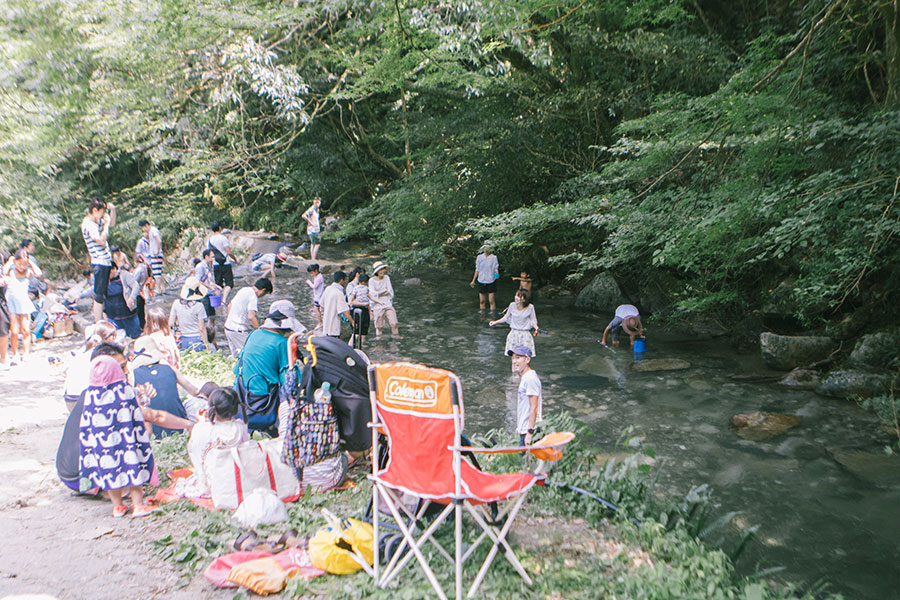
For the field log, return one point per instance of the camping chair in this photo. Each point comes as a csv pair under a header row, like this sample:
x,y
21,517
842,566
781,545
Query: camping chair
x,y
420,411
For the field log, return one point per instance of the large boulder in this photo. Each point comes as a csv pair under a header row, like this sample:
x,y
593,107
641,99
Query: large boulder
x,y
844,383
876,350
792,351
601,294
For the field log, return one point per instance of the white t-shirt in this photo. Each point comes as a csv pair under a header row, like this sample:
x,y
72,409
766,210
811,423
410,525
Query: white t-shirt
x,y
155,241
333,304
242,303
487,267
318,288
312,213
222,245
530,385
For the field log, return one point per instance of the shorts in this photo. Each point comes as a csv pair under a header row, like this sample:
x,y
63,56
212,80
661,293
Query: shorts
x,y
487,288
101,281
364,320
315,238
210,311
130,325
156,265
223,276
4,319
191,342
382,314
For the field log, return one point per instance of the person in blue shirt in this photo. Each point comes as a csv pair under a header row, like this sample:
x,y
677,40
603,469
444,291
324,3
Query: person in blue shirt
x,y
259,373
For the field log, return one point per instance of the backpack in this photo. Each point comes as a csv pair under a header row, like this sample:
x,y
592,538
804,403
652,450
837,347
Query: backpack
x,y
220,258
259,413
312,428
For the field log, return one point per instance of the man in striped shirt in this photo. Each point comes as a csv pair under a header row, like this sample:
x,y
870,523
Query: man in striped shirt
x,y
95,230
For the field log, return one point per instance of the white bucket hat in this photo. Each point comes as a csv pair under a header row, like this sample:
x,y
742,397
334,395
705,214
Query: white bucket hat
x,y
282,315
378,266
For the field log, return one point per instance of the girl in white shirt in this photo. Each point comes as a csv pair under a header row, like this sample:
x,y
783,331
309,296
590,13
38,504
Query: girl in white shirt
x,y
522,320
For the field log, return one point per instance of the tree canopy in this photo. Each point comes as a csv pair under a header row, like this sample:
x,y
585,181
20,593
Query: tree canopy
x,y
733,154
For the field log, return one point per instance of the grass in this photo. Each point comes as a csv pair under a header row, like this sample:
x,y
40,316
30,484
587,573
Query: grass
x,y
572,545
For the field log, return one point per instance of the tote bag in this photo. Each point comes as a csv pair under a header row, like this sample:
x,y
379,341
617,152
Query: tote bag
x,y
235,472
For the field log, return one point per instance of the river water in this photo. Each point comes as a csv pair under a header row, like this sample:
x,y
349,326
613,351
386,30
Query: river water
x,y
815,518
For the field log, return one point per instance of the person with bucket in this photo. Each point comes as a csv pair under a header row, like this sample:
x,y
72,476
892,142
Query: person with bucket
x,y
627,319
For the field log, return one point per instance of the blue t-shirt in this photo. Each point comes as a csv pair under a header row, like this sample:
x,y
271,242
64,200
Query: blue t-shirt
x,y
265,361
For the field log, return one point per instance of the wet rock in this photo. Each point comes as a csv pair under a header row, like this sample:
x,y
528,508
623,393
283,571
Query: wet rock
x,y
801,379
602,294
660,364
412,282
876,350
758,425
844,383
791,351
874,467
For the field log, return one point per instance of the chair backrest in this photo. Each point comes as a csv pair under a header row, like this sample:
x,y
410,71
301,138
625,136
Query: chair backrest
x,y
419,408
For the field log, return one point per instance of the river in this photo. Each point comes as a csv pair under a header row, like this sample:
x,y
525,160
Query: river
x,y
815,518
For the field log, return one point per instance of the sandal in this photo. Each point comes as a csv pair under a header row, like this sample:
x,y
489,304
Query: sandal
x,y
142,510
119,510
245,542
291,539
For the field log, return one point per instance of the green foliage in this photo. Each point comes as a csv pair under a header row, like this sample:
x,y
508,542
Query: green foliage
x,y
217,367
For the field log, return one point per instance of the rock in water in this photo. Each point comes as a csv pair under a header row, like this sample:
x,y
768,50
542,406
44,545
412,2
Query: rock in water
x,y
757,426
601,294
853,382
412,282
875,467
791,351
876,350
660,364
801,379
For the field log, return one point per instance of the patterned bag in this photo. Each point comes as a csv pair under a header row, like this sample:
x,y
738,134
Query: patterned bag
x,y
312,428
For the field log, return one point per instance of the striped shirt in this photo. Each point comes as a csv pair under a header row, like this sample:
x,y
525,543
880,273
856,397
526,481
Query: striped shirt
x,y
100,254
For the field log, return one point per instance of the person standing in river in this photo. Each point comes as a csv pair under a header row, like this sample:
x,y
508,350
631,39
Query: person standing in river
x,y
313,228
381,299
95,231
487,271
523,325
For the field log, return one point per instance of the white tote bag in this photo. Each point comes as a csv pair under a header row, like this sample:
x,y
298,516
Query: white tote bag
x,y
235,472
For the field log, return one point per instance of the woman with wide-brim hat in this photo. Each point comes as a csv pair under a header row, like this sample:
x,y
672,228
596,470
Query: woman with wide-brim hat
x,y
381,299
189,316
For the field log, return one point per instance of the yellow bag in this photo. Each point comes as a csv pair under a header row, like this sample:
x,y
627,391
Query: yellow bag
x,y
343,546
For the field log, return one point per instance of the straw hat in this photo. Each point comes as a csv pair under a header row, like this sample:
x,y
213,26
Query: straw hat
x,y
193,289
282,315
378,266
146,352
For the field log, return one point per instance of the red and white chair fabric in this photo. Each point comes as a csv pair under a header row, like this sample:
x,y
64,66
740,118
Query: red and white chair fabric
x,y
420,411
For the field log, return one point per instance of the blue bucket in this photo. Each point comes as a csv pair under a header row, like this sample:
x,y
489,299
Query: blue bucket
x,y
640,345
216,300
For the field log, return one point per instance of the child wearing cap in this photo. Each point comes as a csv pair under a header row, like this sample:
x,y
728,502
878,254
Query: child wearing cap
x,y
529,397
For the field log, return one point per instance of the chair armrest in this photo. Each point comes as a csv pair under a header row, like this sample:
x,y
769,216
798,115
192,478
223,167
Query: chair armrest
x,y
547,448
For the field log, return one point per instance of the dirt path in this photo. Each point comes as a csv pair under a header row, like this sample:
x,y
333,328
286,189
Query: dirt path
x,y
55,545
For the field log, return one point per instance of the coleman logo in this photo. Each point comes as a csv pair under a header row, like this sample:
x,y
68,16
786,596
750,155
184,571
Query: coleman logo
x,y
413,392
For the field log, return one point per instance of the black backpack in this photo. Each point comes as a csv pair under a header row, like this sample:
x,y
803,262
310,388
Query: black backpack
x,y
220,258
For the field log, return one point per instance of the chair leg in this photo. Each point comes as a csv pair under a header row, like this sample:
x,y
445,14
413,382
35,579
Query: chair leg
x,y
457,526
499,539
414,546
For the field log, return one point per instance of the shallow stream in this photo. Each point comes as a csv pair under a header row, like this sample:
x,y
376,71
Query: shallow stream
x,y
816,518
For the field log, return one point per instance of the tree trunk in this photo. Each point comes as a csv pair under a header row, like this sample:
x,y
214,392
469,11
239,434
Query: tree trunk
x,y
890,14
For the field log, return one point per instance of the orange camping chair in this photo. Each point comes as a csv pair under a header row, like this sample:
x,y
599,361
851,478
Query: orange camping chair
x,y
420,411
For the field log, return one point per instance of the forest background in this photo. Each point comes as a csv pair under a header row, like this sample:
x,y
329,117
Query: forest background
x,y
737,157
